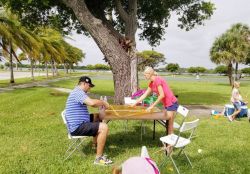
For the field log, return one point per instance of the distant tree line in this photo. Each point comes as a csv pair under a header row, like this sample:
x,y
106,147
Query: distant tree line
x,y
43,66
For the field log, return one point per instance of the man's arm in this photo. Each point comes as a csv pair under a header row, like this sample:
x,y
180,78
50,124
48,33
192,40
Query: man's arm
x,y
95,102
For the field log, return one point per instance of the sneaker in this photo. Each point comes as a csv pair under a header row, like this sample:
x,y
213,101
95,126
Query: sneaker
x,y
103,160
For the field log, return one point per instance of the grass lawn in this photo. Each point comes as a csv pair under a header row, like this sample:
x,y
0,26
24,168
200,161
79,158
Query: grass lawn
x,y
33,138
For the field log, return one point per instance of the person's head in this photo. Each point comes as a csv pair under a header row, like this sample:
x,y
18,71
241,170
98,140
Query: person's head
x,y
85,83
236,84
149,72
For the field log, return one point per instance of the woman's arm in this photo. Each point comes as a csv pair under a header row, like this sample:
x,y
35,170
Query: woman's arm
x,y
160,97
147,92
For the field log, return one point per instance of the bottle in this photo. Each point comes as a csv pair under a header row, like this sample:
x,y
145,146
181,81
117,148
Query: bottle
x,y
101,98
105,98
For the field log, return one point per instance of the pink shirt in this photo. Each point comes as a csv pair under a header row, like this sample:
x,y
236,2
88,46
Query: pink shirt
x,y
169,98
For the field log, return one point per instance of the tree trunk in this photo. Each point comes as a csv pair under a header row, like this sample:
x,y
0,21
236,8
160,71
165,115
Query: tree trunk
x,y
56,70
32,69
12,80
65,68
236,71
47,70
110,47
52,68
130,30
130,20
230,72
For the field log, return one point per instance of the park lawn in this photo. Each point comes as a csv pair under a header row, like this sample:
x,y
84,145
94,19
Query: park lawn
x,y
189,92
33,138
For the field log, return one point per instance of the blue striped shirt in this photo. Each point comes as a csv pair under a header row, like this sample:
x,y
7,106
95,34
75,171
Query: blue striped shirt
x,y
76,110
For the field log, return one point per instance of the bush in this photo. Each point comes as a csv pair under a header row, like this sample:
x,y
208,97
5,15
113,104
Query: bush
x,y
245,70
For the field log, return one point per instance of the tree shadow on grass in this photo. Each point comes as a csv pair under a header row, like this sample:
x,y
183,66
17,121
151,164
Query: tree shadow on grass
x,y
121,141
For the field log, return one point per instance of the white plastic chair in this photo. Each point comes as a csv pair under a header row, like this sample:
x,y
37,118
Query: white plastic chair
x,y
179,142
181,111
76,141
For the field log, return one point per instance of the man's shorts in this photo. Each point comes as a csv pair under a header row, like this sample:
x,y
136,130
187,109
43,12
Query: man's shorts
x,y
87,129
237,105
173,107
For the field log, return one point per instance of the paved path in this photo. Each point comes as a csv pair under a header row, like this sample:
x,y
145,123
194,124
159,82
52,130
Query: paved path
x,y
19,74
44,83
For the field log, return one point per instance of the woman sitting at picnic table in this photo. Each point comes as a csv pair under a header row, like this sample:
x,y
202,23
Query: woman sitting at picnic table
x,y
165,95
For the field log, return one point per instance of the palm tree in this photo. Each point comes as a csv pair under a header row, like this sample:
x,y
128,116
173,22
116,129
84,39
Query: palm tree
x,y
14,34
74,55
231,47
240,33
52,50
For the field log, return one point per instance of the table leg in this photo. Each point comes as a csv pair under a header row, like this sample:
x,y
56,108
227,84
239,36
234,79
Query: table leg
x,y
154,131
166,126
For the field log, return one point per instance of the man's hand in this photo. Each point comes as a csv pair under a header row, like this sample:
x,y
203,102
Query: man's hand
x,y
106,104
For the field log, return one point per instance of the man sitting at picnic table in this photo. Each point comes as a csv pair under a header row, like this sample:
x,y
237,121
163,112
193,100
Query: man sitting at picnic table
x,y
80,122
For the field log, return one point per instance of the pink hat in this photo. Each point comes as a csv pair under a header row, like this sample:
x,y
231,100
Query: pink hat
x,y
139,165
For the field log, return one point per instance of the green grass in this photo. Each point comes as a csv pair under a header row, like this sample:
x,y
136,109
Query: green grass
x,y
33,138
189,92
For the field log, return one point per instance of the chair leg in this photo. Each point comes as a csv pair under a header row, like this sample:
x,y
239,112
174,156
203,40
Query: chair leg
x,y
188,159
170,156
71,145
126,126
154,131
179,152
141,129
73,149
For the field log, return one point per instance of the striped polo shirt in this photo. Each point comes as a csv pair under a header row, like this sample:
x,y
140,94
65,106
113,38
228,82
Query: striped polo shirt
x,y
76,110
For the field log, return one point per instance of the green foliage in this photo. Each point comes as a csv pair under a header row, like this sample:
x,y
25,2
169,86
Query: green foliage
x,y
245,70
222,69
172,67
149,58
101,67
1,66
153,16
197,69
232,46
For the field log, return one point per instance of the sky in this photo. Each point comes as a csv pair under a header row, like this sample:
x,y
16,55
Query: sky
x,y
185,48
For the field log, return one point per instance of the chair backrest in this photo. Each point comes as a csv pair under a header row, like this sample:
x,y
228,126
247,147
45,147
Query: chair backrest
x,y
186,126
182,110
63,117
65,122
189,126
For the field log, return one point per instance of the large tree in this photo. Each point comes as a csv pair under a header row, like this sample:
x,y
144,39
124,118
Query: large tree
x,y
110,22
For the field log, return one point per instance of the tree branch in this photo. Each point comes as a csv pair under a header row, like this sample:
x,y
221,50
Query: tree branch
x,y
123,14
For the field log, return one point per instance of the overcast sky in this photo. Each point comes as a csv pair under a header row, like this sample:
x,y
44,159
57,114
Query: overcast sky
x,y
185,48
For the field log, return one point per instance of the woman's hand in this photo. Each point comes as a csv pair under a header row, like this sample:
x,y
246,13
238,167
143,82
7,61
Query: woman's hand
x,y
133,105
149,109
